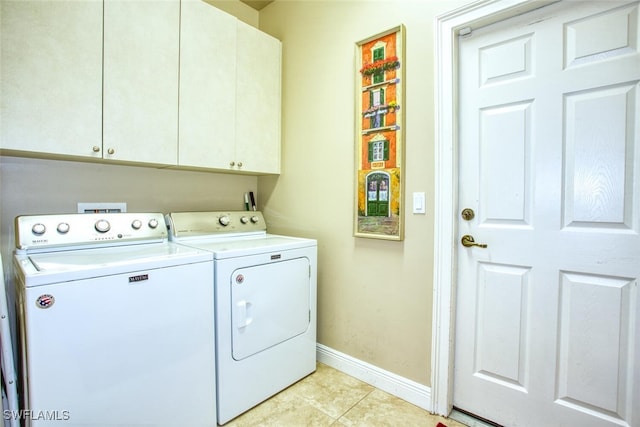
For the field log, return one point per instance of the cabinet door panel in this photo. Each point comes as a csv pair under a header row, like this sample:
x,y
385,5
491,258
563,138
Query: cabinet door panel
x,y
258,98
51,68
207,86
141,53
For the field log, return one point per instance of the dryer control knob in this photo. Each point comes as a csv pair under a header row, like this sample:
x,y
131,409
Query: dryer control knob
x,y
38,229
244,219
153,223
255,219
102,226
136,224
224,220
63,228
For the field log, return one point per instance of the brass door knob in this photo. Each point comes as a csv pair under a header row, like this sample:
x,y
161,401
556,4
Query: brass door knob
x,y
468,241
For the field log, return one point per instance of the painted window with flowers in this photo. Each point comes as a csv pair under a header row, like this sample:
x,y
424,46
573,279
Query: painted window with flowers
x,y
380,144
378,55
376,100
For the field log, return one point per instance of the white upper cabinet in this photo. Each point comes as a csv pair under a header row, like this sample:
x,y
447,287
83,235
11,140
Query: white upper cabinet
x,y
258,100
229,93
141,54
51,76
158,82
207,86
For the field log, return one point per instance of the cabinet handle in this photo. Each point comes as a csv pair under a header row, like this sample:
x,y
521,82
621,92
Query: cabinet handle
x,y
96,149
111,151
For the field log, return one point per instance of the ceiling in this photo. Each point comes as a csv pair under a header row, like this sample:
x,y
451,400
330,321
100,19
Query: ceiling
x,y
257,4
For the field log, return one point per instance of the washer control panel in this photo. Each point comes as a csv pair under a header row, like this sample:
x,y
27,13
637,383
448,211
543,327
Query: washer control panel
x,y
48,231
216,223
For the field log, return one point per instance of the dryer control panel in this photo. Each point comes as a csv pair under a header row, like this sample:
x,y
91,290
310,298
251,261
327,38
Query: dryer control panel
x,y
183,224
35,232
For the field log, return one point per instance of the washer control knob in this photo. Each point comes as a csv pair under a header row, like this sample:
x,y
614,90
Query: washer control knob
x,y
224,220
244,219
255,219
38,229
136,224
153,223
63,228
102,226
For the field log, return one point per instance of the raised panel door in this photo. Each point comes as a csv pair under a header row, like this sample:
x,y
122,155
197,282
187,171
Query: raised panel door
x,y
547,332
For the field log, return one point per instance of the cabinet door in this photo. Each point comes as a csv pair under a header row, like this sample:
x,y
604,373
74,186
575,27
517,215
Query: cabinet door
x,y
258,89
207,86
141,48
51,68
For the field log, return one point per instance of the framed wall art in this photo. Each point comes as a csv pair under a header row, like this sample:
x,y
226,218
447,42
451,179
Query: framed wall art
x,y
379,179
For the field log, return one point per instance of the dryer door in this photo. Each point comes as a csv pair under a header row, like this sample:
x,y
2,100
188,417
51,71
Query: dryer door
x,y
270,304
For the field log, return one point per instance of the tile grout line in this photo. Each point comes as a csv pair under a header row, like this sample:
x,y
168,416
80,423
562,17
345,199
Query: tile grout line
x,y
355,404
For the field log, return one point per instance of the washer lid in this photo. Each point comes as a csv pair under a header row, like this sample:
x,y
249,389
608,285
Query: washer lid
x,y
61,266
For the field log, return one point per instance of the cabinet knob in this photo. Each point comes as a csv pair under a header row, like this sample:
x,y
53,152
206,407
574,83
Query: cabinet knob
x,y
111,151
96,149
232,163
239,164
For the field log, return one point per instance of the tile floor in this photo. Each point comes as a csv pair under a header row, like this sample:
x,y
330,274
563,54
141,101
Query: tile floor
x,y
329,397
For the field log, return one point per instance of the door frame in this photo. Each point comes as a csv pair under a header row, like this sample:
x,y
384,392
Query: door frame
x,y
447,28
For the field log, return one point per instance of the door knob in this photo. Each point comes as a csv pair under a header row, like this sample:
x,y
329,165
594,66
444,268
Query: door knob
x,y
468,241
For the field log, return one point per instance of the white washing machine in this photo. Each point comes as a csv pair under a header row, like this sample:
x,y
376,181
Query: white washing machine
x,y
265,297
115,323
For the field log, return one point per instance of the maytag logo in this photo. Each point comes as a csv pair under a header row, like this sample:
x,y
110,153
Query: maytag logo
x,y
139,278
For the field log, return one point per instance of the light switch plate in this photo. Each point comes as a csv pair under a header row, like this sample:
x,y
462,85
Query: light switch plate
x,y
419,203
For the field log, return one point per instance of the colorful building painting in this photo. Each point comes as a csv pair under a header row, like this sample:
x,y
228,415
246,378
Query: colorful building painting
x,y
379,136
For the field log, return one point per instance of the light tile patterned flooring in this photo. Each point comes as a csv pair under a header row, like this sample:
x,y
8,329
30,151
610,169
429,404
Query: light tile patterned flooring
x,y
329,397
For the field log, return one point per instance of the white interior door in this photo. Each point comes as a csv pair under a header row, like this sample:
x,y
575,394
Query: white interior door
x,y
547,325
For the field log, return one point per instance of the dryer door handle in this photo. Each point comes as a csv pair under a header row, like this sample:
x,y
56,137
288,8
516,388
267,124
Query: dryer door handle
x,y
243,314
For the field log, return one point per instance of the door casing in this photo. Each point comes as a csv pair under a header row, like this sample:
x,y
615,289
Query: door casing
x,y
448,27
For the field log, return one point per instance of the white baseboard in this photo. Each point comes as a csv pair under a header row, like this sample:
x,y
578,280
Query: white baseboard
x,y
406,389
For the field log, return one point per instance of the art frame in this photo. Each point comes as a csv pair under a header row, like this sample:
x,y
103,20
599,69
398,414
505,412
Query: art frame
x,y
379,139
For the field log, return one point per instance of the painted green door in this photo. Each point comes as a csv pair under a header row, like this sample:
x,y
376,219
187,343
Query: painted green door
x,y
378,194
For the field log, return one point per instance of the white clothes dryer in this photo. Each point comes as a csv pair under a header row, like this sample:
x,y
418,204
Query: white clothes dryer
x,y
115,323
265,299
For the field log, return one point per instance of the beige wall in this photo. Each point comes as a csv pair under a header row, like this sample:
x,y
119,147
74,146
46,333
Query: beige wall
x,y
35,186
374,296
